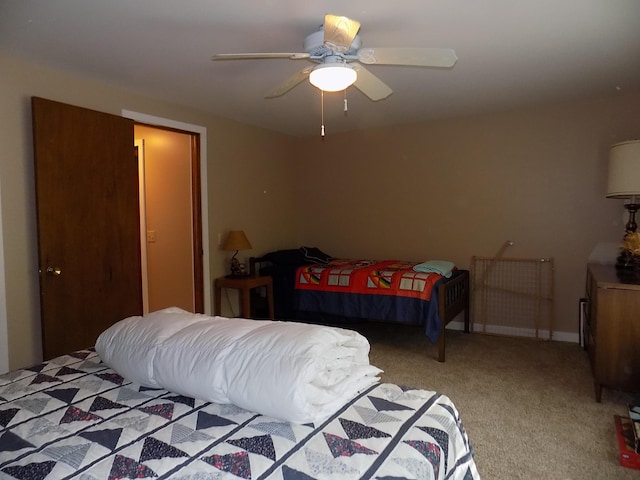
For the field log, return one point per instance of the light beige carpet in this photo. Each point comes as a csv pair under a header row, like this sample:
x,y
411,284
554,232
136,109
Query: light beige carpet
x,y
527,405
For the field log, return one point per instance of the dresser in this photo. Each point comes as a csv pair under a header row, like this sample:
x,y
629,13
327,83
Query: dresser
x,y
612,329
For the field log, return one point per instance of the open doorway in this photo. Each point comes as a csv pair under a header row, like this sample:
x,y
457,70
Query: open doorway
x,y
170,218
198,135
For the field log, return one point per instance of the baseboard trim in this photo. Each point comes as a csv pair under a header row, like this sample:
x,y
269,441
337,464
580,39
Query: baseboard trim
x,y
570,337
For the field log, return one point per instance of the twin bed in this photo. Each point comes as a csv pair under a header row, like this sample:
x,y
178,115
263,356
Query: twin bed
x,y
172,395
310,285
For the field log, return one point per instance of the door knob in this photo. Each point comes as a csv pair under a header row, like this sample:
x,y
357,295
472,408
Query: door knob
x,y
54,270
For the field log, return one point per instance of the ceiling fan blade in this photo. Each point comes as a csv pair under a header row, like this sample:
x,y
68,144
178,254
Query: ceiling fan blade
x,y
370,85
289,83
339,32
420,57
258,56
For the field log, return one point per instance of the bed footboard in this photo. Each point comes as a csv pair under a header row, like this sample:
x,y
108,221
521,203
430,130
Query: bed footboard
x,y
453,298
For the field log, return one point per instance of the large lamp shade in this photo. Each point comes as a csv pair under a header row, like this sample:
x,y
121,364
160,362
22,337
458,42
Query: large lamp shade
x,y
624,177
624,170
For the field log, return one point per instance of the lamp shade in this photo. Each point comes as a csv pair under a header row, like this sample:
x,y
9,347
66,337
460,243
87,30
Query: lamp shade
x,y
624,170
237,240
332,77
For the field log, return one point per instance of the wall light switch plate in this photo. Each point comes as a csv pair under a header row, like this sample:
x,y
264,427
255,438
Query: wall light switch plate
x,y
151,236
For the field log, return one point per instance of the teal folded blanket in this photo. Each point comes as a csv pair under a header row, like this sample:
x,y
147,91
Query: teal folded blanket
x,y
441,267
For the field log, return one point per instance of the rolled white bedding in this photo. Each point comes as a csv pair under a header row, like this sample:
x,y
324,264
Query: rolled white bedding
x,y
292,371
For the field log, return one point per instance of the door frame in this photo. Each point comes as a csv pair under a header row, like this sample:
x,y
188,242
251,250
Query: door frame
x,y
4,338
204,207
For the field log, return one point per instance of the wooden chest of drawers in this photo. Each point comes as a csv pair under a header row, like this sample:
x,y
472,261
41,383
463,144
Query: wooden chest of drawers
x,y
612,330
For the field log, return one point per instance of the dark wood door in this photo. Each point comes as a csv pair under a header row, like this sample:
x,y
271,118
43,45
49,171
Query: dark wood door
x,y
88,223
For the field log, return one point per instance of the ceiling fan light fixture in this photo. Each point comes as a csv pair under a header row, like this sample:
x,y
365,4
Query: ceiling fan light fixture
x,y
332,78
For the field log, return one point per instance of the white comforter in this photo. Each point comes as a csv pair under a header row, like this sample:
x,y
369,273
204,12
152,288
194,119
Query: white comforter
x,y
292,371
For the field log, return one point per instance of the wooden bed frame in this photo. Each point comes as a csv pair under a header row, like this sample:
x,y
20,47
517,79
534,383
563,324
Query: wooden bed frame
x,y
453,299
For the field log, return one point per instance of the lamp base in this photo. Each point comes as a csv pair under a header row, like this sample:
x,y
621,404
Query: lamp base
x,y
632,226
237,269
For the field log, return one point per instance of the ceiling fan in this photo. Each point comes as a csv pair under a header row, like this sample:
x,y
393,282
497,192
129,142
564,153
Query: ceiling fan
x,y
336,48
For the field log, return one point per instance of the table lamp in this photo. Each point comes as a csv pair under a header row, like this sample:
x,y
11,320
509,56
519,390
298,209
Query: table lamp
x,y
237,240
624,177
624,182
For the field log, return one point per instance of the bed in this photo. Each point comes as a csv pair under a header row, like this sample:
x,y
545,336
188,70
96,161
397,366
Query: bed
x,y
309,285
76,417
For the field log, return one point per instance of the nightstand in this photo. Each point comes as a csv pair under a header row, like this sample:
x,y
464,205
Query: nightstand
x,y
244,285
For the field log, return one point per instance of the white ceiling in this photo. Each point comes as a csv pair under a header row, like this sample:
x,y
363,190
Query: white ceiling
x,y
511,53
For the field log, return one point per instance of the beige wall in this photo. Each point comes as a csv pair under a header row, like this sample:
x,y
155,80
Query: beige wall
x,y
243,163
534,176
457,188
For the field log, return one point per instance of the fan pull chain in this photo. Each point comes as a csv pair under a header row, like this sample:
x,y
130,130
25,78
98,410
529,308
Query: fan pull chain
x,y
322,114
346,106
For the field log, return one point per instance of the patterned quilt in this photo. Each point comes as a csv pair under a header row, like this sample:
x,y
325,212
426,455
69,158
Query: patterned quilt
x,y
388,290
388,277
73,417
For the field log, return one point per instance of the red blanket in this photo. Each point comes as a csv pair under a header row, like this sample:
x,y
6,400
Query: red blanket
x,y
387,277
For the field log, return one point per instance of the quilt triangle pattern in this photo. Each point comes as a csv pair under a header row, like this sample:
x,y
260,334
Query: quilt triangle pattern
x,y
65,395
208,420
32,471
89,365
149,389
235,463
35,405
260,445
74,414
11,376
430,451
164,410
72,455
101,403
36,368
381,404
321,464
289,473
10,442
125,394
108,437
95,425
43,426
370,416
415,467
280,429
7,415
137,423
14,389
68,371
125,467
442,438
355,430
343,447
111,377
189,401
183,434
43,378
154,449
91,384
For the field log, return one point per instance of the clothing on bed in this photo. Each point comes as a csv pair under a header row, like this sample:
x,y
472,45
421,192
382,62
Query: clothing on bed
x,y
282,267
73,417
441,267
